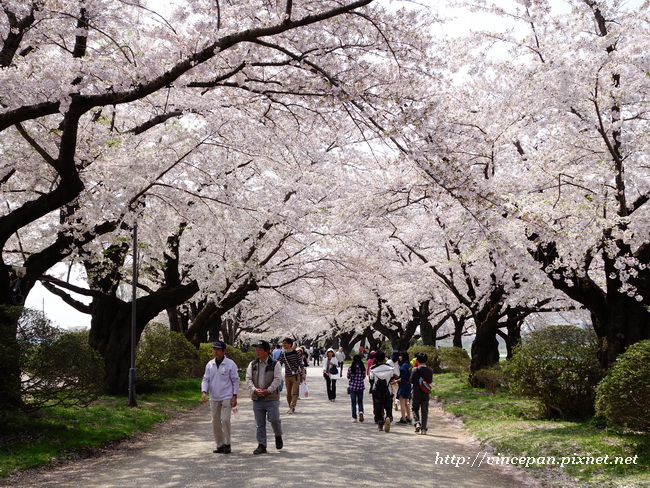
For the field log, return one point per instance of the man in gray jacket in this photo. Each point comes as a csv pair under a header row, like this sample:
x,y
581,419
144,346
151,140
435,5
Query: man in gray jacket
x,y
221,384
263,376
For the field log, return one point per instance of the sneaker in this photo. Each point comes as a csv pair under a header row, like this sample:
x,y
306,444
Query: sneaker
x,y
227,449
381,426
278,442
220,449
423,431
260,449
387,425
417,427
409,421
360,416
402,421
291,410
354,420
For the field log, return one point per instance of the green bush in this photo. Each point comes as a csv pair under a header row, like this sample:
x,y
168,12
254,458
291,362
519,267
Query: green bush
x,y
623,396
431,352
453,360
58,367
240,357
557,366
163,354
492,377
387,347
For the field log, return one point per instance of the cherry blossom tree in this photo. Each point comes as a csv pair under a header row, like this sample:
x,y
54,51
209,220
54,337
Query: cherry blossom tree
x,y
106,101
543,136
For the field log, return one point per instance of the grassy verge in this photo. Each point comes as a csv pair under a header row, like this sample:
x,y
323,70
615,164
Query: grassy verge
x,y
513,427
59,434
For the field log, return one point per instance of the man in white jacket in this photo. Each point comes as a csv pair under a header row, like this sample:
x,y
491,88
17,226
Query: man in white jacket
x,y
381,376
221,384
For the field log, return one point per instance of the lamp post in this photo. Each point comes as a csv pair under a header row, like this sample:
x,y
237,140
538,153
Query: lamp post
x,y
132,371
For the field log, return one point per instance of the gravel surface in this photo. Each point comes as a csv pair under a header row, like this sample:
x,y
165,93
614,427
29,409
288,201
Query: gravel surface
x,y
322,448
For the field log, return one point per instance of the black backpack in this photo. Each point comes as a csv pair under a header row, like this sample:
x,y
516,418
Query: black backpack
x,y
380,389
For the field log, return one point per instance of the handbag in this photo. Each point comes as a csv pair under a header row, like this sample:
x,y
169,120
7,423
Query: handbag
x,y
303,390
334,370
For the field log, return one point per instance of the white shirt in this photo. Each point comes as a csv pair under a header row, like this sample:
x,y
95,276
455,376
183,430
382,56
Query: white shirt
x,y
220,382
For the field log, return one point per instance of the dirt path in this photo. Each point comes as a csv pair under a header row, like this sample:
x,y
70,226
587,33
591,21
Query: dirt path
x,y
323,448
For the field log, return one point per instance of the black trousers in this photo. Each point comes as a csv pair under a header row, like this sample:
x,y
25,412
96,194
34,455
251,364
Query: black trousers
x,y
331,387
420,405
382,408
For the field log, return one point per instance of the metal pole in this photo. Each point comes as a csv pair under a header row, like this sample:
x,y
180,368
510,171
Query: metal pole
x,y
132,399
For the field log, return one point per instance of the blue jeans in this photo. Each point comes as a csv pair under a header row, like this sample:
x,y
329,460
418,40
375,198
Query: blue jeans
x,y
263,410
356,398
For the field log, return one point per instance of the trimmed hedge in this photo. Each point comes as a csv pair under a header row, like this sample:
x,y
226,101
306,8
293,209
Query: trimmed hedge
x,y
623,396
557,365
164,354
58,367
453,360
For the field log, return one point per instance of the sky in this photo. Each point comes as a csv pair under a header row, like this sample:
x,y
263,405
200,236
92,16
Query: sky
x,y
54,308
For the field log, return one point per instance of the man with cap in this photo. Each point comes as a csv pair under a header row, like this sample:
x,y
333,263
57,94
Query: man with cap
x,y
221,384
263,376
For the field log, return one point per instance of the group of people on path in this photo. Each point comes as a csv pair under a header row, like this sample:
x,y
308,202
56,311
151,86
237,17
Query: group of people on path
x,y
264,379
409,384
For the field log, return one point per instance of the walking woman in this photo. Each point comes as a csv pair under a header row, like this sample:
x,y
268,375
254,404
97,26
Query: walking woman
x,y
330,362
356,385
404,388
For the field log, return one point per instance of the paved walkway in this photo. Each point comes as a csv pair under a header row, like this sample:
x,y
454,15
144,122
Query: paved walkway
x,y
322,448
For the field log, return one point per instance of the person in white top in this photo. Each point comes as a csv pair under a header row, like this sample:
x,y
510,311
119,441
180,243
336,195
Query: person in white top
x,y
221,384
340,357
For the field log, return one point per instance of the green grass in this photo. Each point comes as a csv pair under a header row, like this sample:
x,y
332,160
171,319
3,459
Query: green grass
x,y
513,427
59,434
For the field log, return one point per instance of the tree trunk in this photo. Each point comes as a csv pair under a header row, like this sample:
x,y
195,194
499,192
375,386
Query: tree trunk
x,y
512,337
625,322
175,324
459,329
485,349
427,331
110,335
110,329
618,319
398,335
10,397
215,328
373,342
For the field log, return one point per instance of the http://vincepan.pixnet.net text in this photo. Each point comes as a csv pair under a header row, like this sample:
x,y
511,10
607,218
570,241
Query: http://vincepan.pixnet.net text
x,y
485,458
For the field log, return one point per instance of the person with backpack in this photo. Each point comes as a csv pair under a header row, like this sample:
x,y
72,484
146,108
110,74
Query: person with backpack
x,y
393,362
381,375
421,378
263,377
